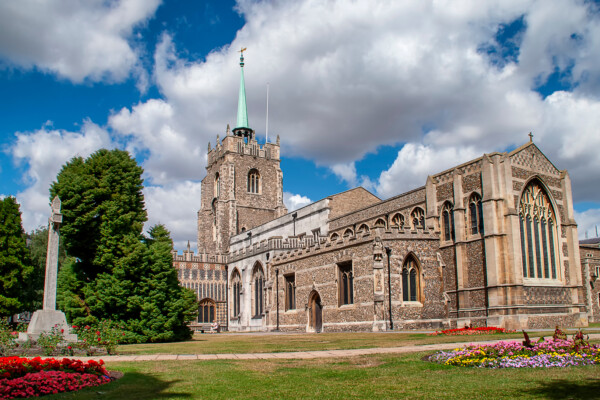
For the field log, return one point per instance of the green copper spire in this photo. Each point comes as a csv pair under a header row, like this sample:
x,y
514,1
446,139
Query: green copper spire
x,y
242,114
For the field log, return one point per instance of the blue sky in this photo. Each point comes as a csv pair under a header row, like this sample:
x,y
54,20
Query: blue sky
x,y
372,93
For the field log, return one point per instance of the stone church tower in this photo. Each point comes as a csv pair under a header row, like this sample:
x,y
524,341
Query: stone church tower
x,y
243,186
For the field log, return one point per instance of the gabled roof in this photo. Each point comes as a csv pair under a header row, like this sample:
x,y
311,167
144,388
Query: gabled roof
x,y
529,154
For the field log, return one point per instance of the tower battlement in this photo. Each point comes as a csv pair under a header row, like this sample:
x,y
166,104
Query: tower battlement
x,y
241,146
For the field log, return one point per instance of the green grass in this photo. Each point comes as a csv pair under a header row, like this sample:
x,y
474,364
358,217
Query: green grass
x,y
249,343
365,377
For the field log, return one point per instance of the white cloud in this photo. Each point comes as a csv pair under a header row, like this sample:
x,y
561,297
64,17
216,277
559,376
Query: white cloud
x,y
175,206
43,153
295,201
588,222
415,162
152,128
346,172
342,84
76,39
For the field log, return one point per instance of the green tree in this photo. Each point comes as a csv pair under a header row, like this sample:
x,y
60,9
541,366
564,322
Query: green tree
x,y
118,274
15,263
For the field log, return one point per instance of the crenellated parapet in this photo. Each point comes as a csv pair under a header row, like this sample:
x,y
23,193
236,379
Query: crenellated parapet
x,y
291,247
242,146
190,256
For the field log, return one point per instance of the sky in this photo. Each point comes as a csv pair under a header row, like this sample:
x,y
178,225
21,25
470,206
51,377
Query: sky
x,y
365,92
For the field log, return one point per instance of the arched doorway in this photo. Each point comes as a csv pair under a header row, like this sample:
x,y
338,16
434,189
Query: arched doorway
x,y
315,313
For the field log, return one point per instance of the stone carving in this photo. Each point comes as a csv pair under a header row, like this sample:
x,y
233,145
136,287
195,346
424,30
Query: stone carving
x,y
377,249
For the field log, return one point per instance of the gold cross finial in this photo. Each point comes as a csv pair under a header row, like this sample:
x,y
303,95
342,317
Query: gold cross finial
x,y
530,137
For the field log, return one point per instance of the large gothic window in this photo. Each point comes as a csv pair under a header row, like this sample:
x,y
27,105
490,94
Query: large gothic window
x,y
236,291
417,217
448,221
538,227
206,311
475,214
258,286
410,279
253,181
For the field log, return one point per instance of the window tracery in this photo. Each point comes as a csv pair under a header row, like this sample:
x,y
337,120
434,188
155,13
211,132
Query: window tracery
x,y
538,228
417,217
253,181
410,279
475,214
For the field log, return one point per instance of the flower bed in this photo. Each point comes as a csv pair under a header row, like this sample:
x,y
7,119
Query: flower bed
x,y
467,330
24,377
543,354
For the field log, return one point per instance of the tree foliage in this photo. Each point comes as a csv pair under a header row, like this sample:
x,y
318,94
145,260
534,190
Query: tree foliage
x,y
118,274
15,263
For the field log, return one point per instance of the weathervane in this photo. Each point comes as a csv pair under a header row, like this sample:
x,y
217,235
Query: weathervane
x,y
243,49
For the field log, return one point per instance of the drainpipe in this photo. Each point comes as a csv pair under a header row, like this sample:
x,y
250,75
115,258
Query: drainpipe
x,y
277,295
388,251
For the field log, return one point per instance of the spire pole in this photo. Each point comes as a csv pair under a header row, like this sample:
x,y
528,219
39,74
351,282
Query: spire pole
x,y
242,128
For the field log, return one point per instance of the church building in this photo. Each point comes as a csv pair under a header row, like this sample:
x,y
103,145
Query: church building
x,y
490,242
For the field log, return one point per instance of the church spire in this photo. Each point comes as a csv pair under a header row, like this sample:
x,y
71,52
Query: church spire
x,y
242,128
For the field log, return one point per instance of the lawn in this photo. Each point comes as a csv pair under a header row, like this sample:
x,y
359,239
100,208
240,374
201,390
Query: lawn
x,y
365,377
251,343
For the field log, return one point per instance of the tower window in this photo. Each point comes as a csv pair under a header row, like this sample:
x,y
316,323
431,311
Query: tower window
x,y
253,181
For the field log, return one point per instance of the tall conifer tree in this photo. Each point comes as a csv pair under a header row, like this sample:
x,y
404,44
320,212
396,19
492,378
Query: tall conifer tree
x,y
117,274
15,263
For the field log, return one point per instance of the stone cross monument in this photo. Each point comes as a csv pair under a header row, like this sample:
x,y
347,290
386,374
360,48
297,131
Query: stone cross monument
x,y
47,318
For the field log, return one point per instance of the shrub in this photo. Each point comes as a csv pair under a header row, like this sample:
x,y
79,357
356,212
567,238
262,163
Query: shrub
x,y
50,341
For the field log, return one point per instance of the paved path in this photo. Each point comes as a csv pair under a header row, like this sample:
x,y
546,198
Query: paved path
x,y
300,354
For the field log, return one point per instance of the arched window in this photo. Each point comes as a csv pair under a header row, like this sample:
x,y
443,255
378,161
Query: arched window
x,y
258,286
345,283
538,233
380,223
348,232
410,279
206,311
363,229
217,188
398,220
475,214
417,217
334,237
236,290
448,221
253,181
